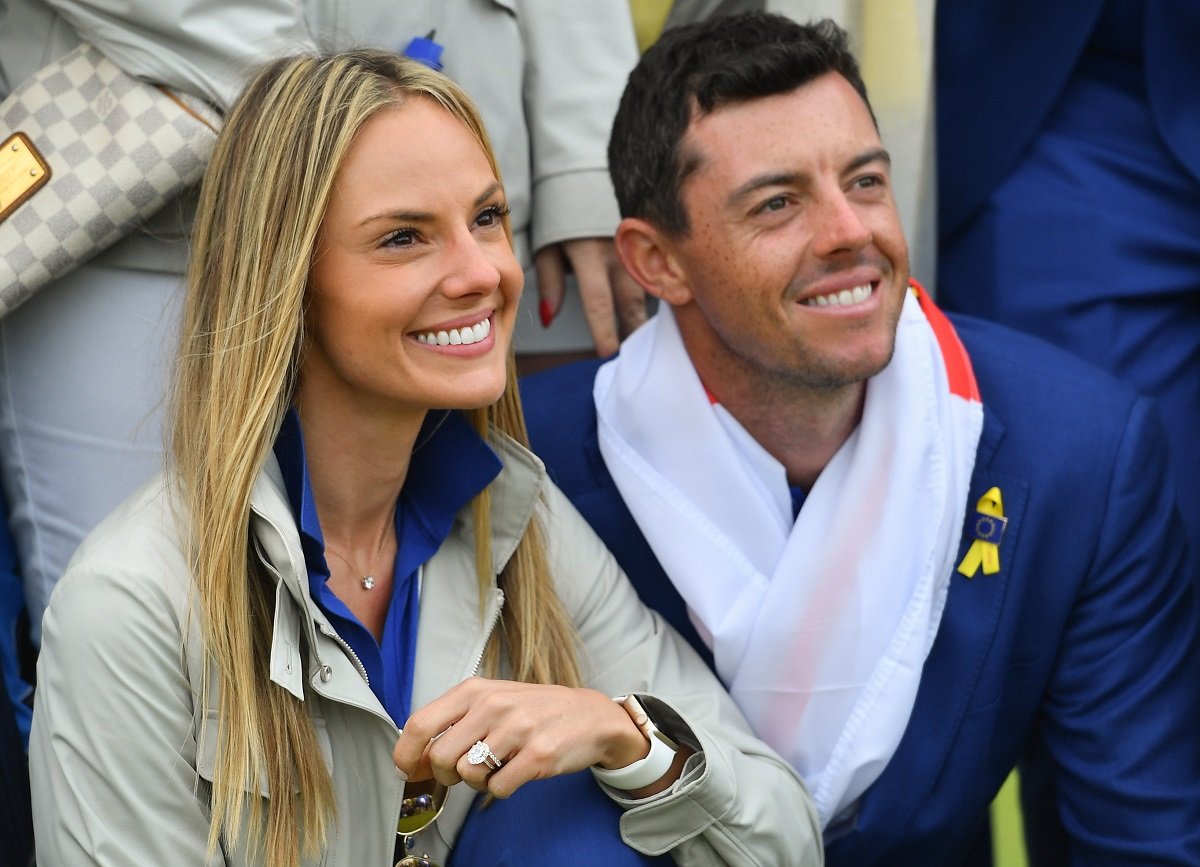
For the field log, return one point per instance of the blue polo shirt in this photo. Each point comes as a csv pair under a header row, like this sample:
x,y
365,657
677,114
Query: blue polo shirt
x,y
449,466
799,495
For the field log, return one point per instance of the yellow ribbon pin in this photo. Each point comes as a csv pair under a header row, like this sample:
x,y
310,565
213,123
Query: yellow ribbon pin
x,y
988,528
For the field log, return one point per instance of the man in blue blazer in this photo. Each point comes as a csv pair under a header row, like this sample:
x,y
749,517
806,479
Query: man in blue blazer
x,y
907,544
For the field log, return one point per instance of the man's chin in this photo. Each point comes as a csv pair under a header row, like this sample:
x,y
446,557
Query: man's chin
x,y
855,371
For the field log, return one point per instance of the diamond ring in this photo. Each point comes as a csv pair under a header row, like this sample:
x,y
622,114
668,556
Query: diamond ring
x,y
481,754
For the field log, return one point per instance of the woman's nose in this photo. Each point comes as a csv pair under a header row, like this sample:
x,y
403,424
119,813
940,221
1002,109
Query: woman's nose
x,y
472,270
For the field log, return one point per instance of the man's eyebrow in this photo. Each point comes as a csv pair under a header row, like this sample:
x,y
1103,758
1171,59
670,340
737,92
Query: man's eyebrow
x,y
758,182
874,155
789,179
426,216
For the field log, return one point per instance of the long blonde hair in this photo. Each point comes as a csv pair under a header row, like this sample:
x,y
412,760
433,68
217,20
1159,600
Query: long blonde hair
x,y
261,205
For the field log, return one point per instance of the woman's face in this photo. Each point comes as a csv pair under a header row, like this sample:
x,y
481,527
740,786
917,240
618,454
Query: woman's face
x,y
413,291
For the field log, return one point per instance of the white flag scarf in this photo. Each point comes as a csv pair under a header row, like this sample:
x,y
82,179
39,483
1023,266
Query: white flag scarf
x,y
843,605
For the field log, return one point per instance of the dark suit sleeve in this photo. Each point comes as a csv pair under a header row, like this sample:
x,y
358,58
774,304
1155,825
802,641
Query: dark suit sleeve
x,y
1121,709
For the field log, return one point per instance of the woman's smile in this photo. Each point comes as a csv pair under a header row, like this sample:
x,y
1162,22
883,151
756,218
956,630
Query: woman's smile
x,y
466,335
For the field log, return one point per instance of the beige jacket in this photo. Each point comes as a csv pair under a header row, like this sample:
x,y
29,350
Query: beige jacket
x,y
119,778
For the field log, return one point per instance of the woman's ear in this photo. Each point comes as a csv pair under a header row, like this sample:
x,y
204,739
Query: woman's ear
x,y
647,255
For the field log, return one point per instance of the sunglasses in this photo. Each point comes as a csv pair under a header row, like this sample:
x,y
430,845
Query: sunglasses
x,y
417,812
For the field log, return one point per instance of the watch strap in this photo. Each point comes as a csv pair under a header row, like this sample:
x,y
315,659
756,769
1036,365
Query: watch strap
x,y
646,770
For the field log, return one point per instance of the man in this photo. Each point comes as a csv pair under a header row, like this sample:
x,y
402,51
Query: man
x,y
906,544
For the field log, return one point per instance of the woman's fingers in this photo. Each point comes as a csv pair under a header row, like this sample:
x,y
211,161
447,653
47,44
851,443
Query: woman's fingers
x,y
498,735
414,751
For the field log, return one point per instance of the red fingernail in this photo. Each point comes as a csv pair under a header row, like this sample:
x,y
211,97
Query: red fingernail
x,y
547,313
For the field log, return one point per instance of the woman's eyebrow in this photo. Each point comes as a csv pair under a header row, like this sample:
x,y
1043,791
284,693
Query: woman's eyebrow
x,y
403,216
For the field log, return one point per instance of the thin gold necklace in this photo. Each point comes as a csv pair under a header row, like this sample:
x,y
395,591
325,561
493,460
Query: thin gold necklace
x,y
367,580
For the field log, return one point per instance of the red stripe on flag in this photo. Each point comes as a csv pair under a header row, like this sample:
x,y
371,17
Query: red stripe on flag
x,y
954,354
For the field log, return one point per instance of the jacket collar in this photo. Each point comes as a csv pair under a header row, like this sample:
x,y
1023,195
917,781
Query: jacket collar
x,y
276,538
514,495
951,675
450,593
952,671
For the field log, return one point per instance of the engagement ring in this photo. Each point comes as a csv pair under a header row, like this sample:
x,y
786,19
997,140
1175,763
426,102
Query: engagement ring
x,y
481,754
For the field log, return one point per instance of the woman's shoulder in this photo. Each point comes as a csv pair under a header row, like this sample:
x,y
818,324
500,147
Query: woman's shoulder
x,y
132,565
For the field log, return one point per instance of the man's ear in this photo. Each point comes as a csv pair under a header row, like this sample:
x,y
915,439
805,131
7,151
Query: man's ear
x,y
648,256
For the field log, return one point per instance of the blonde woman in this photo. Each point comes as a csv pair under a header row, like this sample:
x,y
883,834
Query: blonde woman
x,y
351,537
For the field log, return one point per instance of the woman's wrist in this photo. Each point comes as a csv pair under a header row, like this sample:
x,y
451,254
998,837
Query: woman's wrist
x,y
658,753
629,742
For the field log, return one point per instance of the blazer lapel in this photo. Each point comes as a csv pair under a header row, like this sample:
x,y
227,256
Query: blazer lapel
x,y
952,671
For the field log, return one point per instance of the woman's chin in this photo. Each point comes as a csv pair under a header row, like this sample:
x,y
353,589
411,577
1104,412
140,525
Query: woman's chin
x,y
476,397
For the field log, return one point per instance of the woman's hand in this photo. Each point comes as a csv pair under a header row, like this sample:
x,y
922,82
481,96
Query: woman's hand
x,y
535,731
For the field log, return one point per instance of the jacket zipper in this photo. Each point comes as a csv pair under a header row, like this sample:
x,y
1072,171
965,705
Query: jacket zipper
x,y
324,628
490,627
328,632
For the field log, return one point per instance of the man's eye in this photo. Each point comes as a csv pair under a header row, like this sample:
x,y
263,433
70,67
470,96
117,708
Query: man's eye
x,y
776,203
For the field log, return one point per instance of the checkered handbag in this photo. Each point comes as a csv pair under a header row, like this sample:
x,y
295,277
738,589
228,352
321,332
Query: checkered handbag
x,y
110,149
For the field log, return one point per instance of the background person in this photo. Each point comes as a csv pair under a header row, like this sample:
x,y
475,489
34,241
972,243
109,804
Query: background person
x,y
84,363
1069,208
1069,190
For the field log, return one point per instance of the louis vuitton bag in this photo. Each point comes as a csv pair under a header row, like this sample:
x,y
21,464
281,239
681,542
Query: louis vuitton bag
x,y
87,153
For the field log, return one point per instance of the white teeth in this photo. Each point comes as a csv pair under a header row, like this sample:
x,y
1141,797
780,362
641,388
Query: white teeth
x,y
844,298
466,335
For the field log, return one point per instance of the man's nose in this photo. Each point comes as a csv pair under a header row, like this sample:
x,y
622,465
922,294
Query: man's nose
x,y
840,226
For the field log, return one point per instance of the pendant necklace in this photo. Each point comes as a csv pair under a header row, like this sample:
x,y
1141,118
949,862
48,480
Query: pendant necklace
x,y
367,580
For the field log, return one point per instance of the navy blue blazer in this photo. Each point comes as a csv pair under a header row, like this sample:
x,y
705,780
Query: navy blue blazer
x,y
1000,65
1086,638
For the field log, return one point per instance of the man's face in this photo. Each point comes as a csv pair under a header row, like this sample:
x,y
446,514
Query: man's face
x,y
795,263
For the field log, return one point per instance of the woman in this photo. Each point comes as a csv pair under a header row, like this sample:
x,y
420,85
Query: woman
x,y
336,544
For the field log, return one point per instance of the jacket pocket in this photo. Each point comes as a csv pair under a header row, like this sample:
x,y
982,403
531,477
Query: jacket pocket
x,y
206,750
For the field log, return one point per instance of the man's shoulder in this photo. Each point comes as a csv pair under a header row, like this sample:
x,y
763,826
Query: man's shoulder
x,y
560,396
560,415
1056,422
1025,379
